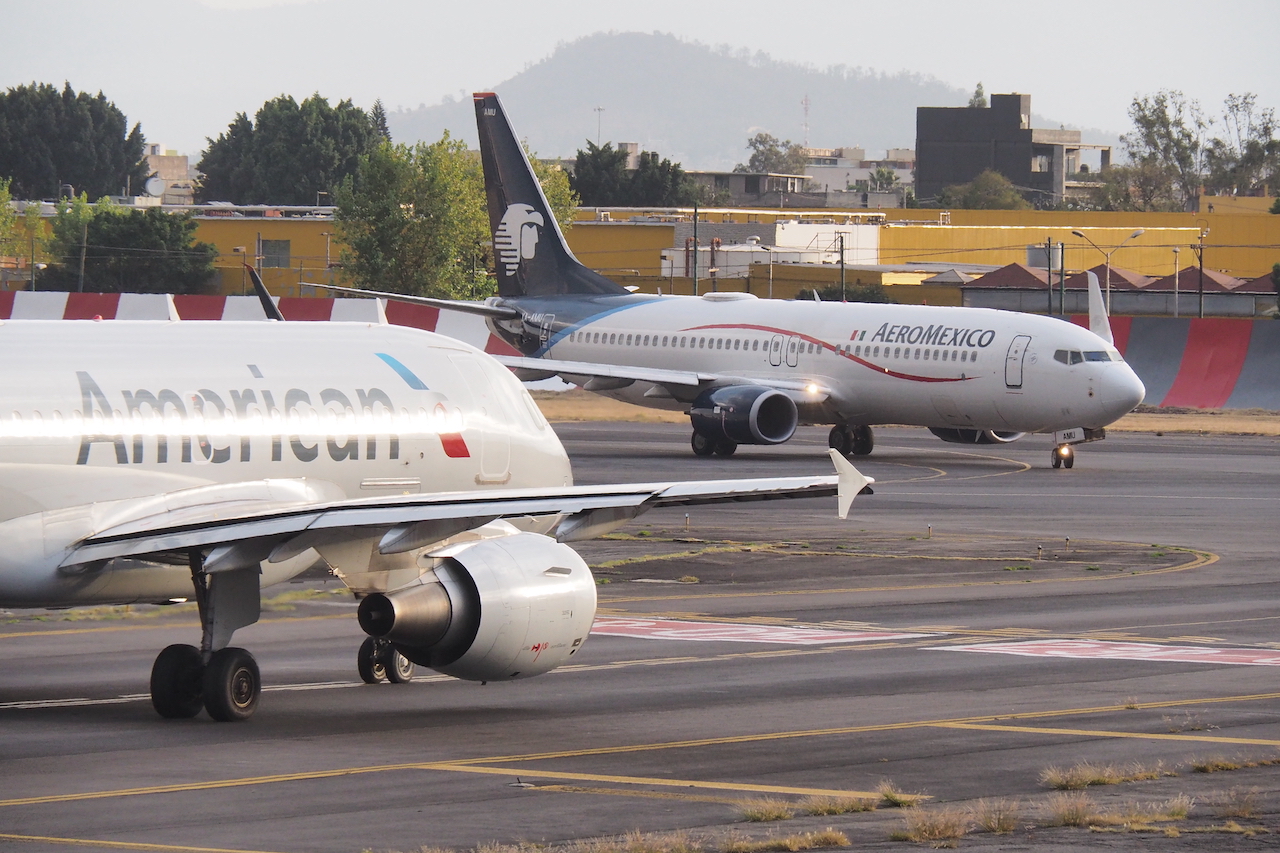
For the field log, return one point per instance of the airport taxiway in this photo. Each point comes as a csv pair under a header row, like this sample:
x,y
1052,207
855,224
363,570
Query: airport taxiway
x,y
947,637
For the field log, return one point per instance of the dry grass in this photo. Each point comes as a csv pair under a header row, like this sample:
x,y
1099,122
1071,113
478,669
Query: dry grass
x,y
1214,764
1070,808
801,841
1141,816
937,826
894,797
766,809
1000,816
1085,774
1239,803
579,405
1213,421
632,842
836,805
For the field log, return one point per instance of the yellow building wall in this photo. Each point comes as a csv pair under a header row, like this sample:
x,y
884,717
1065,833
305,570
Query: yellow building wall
x,y
621,249
307,257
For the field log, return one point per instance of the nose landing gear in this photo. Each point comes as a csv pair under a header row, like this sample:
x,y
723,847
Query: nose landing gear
x,y
1064,456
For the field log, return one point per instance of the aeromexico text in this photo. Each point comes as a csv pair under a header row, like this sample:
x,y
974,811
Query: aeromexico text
x,y
234,412
934,336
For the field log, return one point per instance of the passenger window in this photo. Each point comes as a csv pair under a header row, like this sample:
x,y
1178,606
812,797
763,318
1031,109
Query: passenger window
x,y
917,355
877,352
964,355
973,356
897,352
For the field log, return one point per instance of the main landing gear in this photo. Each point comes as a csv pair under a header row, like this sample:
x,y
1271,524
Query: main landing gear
x,y
705,445
1064,456
224,680
379,661
852,440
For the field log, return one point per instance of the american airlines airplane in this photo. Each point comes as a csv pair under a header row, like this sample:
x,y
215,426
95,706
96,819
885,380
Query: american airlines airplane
x,y
166,461
749,371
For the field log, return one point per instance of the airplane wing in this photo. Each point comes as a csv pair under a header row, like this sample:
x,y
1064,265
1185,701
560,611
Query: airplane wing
x,y
576,371
241,537
495,311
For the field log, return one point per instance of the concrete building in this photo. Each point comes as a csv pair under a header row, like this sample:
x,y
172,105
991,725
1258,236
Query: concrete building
x,y
956,144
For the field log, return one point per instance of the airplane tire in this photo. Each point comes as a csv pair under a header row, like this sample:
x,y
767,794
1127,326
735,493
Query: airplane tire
x,y
232,685
1057,459
840,440
369,662
176,682
1070,460
725,447
399,668
863,441
702,444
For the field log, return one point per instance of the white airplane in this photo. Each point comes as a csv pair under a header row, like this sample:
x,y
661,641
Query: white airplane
x,y
748,370
163,461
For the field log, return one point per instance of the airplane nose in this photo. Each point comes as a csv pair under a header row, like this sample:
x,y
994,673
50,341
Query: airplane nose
x,y
1121,391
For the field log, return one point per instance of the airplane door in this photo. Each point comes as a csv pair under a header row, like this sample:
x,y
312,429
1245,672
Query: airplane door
x,y
793,351
1013,361
775,350
495,443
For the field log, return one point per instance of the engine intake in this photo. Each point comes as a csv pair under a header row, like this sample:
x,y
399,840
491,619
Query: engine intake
x,y
975,436
746,414
495,610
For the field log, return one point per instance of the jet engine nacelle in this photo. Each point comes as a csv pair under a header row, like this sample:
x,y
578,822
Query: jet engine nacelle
x,y
494,610
976,436
746,414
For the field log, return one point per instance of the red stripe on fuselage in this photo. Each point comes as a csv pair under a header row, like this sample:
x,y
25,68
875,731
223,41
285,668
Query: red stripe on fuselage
x,y
455,447
832,349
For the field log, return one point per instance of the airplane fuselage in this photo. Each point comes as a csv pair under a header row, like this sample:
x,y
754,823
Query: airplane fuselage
x,y
98,418
943,367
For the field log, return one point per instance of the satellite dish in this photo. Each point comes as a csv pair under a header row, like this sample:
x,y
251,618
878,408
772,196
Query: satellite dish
x,y
155,186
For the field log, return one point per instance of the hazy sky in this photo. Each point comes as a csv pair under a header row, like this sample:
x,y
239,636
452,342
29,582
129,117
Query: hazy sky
x,y
183,68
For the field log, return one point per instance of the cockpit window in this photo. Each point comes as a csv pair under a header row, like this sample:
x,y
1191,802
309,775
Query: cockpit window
x,y
1077,357
1097,355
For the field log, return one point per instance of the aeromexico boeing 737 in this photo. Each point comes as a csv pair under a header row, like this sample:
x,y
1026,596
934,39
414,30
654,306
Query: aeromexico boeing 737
x,y
748,370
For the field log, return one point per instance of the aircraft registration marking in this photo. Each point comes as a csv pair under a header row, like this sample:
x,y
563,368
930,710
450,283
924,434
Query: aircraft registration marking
x,y
1110,650
708,632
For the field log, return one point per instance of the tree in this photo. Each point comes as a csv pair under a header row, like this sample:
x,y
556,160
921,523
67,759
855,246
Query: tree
x,y
1275,206
1169,132
768,154
883,180
989,191
1146,186
873,292
1248,160
378,116
600,176
979,99
290,154
1275,278
124,250
49,138
602,179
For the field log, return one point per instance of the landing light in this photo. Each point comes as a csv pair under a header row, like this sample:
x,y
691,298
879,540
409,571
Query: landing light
x,y
1064,451
812,388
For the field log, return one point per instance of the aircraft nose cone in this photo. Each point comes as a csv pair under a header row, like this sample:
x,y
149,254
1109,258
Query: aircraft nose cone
x,y
1121,391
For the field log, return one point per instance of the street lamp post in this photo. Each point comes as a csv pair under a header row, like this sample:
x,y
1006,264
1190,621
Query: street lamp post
x,y
1108,255
1176,250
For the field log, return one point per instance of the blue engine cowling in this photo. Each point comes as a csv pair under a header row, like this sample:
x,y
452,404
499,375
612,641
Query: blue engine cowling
x,y
746,414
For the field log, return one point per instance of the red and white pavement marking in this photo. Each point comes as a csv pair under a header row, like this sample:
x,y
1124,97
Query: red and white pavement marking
x,y
667,629
1109,650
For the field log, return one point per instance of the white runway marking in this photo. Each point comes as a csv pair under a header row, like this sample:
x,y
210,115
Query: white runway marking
x,y
1108,650
667,629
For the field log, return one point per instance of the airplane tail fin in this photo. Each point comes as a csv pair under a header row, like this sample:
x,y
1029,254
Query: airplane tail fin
x,y
1099,324
530,251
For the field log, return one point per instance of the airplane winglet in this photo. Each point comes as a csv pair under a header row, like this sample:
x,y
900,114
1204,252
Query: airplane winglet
x,y
1099,324
850,482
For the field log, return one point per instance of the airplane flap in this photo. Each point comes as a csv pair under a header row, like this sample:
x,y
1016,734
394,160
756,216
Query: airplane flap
x,y
215,525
